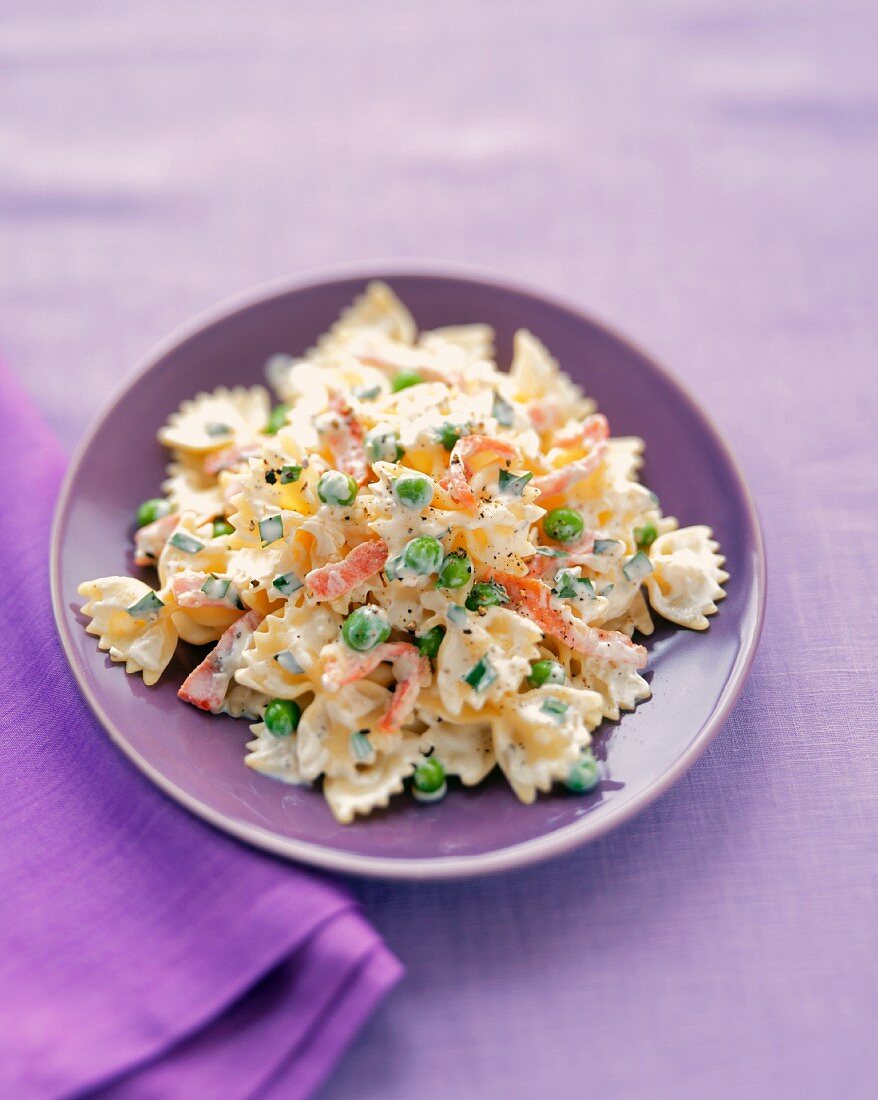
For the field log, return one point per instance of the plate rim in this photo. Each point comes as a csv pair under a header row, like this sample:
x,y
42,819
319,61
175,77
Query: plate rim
x,y
512,856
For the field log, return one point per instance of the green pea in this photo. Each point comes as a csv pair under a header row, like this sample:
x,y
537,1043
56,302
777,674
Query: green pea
x,y
645,536
428,644
222,527
151,510
276,419
405,378
546,671
423,555
414,490
563,525
365,628
456,571
486,594
429,776
383,445
281,717
334,487
584,775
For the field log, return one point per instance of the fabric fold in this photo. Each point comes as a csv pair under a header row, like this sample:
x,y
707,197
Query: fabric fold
x,y
137,944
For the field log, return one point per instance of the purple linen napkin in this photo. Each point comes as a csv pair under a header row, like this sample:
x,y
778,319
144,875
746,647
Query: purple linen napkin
x,y
142,953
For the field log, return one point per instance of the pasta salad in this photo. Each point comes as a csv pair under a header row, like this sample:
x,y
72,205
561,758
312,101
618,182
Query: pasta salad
x,y
415,566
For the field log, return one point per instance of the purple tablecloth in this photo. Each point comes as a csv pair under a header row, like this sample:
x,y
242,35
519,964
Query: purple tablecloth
x,y
701,174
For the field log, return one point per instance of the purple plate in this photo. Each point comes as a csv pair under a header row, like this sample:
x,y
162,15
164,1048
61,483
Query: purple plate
x,y
198,759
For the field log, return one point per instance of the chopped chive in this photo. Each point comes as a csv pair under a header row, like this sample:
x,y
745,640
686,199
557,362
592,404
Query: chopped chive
x,y
569,585
549,552
289,474
222,527
513,484
361,747
215,428
502,411
481,675
286,584
605,546
367,393
393,568
428,644
146,607
448,434
287,661
638,568
185,542
456,614
216,588
271,529
606,590
564,580
276,419
556,707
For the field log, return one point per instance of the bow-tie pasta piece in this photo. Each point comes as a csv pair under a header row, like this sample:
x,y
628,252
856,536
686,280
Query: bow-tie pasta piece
x,y
475,341
326,742
189,489
481,662
465,749
192,548
687,577
539,735
273,755
218,420
624,458
283,658
132,623
377,310
635,617
619,687
550,397
372,784
243,702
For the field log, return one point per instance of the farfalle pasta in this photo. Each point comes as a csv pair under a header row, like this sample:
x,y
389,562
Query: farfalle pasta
x,y
415,566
